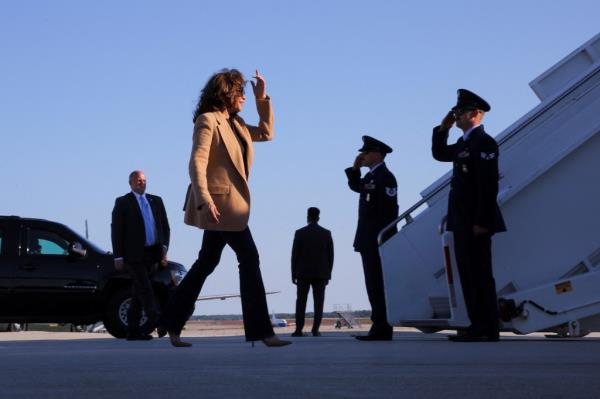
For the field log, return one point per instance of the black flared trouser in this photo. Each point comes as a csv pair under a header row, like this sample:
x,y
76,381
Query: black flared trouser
x,y
257,324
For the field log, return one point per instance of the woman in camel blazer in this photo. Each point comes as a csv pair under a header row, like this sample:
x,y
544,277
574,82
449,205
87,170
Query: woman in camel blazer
x,y
218,201
219,170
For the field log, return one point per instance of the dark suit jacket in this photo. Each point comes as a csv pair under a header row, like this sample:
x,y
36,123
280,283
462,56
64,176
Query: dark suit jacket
x,y
127,228
474,185
377,205
312,253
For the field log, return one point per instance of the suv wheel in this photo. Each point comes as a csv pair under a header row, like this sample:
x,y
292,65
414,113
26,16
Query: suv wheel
x,y
115,318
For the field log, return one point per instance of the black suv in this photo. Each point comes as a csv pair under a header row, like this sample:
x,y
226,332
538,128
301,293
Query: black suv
x,y
50,274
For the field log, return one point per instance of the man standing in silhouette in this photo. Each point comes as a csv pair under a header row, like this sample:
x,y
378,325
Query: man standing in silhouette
x,y
312,262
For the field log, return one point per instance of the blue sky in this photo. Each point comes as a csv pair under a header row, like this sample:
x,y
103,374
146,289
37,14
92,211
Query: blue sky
x,y
90,91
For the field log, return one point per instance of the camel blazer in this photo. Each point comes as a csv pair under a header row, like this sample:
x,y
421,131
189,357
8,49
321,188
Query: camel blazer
x,y
219,170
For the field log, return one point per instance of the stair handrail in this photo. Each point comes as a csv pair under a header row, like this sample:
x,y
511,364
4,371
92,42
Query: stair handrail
x,y
407,214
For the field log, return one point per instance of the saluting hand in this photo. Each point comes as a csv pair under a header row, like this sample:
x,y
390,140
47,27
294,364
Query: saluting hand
x,y
260,87
358,161
448,121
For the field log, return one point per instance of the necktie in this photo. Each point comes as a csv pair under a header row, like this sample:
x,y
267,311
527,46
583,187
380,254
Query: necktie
x,y
148,220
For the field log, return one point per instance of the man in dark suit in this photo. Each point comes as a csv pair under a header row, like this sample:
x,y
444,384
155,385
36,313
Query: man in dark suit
x,y
140,239
312,262
473,213
378,206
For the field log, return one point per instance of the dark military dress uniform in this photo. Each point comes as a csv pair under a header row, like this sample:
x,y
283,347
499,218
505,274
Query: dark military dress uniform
x,y
378,206
472,201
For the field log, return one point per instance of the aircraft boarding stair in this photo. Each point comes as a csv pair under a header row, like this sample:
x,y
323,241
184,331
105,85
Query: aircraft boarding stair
x,y
345,316
547,266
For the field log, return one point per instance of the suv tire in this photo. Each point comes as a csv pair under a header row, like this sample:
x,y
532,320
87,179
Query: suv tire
x,y
115,316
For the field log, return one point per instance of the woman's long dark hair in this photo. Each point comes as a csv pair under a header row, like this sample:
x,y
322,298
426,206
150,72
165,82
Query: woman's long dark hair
x,y
220,91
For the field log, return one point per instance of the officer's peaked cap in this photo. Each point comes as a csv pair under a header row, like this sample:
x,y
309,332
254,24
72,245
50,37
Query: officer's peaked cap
x,y
468,99
371,144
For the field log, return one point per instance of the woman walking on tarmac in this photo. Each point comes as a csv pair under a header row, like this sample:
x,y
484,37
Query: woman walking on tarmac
x,y
218,201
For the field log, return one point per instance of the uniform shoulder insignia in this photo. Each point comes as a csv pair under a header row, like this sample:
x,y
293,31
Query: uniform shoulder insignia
x,y
391,191
488,156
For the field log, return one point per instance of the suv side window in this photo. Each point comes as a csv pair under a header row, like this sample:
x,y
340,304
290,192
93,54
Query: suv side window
x,y
41,242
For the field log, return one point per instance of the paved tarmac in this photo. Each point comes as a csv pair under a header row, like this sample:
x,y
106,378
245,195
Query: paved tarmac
x,y
335,365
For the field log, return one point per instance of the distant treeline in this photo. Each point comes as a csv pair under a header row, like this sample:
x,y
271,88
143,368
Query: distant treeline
x,y
355,313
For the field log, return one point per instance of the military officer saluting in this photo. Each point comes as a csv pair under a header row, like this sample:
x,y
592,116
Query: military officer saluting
x,y
473,213
378,206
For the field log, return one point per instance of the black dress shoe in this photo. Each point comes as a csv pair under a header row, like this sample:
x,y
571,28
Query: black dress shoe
x,y
275,341
316,334
177,342
298,334
373,337
138,337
